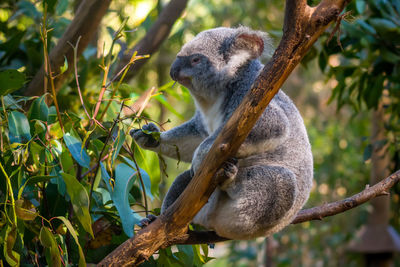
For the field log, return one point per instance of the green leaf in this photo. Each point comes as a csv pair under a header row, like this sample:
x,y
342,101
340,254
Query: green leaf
x,y
10,80
144,175
39,109
64,67
185,254
360,6
164,102
67,162
19,129
368,152
383,25
124,179
106,177
33,180
366,27
72,231
48,241
322,60
52,115
118,142
25,210
74,146
80,201
61,7
12,257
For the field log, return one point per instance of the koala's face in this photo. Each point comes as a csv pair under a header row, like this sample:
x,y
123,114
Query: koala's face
x,y
212,58
200,60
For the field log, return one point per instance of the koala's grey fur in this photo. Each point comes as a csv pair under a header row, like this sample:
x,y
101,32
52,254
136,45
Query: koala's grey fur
x,y
274,172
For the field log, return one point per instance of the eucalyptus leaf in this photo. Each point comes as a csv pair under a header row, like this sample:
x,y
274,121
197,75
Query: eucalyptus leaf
x,y
143,174
118,142
80,201
18,127
73,233
10,80
47,240
39,109
12,257
124,179
75,147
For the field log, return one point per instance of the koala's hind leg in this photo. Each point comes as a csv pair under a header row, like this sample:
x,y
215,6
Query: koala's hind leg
x,y
257,202
176,189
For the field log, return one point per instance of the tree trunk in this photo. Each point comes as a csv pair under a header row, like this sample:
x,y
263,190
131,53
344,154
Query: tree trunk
x,y
84,25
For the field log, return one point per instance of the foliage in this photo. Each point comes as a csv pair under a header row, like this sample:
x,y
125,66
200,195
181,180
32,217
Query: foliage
x,y
368,62
71,187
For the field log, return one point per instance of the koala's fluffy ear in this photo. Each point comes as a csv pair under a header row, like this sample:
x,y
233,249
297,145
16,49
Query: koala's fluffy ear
x,y
250,42
256,43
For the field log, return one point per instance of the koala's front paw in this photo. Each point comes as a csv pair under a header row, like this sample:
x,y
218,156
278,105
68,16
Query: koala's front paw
x,y
146,221
229,171
146,137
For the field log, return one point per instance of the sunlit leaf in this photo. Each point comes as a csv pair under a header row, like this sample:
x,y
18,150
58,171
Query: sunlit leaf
x,y
39,109
71,229
34,180
64,67
19,129
12,257
80,201
74,146
47,240
164,102
10,80
25,210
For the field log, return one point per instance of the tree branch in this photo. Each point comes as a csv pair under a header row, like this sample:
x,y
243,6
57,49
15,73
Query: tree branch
x,y
155,36
315,213
84,25
173,223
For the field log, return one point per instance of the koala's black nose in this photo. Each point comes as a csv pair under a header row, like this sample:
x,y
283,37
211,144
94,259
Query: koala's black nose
x,y
175,68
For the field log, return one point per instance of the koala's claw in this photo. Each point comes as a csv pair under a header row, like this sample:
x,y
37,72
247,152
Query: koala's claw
x,y
146,221
229,170
145,139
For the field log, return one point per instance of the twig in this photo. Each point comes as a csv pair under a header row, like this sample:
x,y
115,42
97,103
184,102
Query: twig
x,y
75,48
85,23
132,155
43,34
326,210
95,166
101,154
124,70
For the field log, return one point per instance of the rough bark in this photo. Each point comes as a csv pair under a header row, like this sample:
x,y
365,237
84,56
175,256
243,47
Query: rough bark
x,y
302,27
84,24
155,36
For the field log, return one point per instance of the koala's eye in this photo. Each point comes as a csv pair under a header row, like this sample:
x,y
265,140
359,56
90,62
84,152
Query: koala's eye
x,y
195,60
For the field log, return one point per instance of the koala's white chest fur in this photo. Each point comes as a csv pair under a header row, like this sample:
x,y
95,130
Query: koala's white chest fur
x,y
212,114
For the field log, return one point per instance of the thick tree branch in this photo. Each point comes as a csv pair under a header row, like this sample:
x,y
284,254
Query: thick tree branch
x,y
155,36
297,38
84,24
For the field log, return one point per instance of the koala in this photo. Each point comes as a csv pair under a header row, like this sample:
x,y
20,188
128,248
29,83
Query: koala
x,y
271,176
